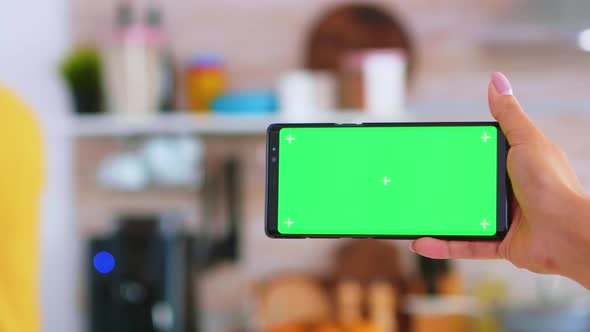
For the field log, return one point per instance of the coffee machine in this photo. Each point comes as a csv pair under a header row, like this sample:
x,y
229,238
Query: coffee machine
x,y
140,277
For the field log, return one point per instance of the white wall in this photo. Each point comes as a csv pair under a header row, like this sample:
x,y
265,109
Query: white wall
x,y
33,37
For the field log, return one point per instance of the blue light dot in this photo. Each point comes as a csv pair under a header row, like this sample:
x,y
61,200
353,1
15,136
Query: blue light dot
x,y
104,262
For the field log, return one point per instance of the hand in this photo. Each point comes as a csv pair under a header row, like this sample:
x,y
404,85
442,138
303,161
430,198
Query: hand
x,y
550,231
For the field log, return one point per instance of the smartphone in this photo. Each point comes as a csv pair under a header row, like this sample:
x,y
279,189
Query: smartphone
x,y
387,180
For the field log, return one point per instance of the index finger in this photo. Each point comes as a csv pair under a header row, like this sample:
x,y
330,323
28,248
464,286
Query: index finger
x,y
442,249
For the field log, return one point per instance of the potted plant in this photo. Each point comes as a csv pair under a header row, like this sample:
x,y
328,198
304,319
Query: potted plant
x,y
82,72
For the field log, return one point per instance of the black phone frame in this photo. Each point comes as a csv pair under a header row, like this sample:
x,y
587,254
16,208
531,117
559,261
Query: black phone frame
x,y
503,199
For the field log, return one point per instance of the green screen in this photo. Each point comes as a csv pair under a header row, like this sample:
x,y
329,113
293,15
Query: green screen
x,y
429,180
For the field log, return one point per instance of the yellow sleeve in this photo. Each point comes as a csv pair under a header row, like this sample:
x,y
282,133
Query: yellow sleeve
x,y
21,176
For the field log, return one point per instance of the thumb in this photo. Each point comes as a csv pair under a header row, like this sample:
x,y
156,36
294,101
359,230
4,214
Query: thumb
x,y
516,124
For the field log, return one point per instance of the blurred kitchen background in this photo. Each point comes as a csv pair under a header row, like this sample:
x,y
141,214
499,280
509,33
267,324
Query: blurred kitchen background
x,y
154,114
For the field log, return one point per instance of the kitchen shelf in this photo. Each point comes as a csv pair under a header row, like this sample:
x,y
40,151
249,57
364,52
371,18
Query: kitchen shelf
x,y
521,37
212,124
114,125
169,123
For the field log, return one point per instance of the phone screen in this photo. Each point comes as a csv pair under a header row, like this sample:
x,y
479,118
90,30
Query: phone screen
x,y
380,181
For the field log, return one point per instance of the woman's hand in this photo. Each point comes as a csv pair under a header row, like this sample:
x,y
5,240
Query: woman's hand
x,y
550,231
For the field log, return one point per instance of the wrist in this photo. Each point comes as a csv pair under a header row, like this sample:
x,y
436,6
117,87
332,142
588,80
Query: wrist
x,y
577,251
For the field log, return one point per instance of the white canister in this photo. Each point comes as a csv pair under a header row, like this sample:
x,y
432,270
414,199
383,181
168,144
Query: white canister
x,y
297,96
306,95
384,82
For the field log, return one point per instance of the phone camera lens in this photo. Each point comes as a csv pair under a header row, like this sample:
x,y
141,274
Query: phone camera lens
x,y
273,159
274,148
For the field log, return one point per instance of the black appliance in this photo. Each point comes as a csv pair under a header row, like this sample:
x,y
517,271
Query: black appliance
x,y
146,291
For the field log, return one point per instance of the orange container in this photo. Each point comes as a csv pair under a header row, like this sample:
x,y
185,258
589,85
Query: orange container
x,y
205,81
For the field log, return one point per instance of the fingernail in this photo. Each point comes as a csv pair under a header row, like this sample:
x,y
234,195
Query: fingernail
x,y
411,246
501,84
